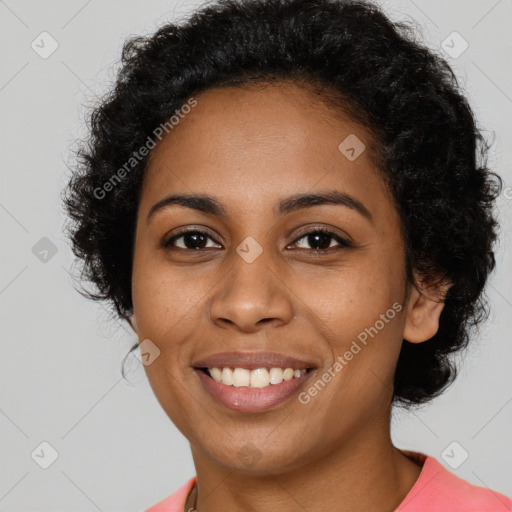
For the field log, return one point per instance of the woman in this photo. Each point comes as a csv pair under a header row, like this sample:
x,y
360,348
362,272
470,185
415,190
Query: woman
x,y
290,204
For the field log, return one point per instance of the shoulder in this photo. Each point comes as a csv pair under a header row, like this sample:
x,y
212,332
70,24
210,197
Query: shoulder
x,y
438,490
176,501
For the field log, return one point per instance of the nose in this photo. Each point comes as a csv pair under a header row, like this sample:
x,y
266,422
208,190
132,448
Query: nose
x,y
252,296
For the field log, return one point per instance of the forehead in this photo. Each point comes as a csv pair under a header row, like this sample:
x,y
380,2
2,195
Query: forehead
x,y
262,141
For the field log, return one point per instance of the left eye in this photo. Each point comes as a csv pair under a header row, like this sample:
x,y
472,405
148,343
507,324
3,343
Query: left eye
x,y
322,240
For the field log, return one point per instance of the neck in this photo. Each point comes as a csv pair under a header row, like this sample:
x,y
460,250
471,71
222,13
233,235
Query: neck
x,y
366,473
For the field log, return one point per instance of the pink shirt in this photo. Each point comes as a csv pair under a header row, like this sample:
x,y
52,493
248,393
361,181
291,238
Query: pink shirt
x,y
436,490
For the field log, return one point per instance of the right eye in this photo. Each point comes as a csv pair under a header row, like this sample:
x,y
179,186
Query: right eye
x,y
193,239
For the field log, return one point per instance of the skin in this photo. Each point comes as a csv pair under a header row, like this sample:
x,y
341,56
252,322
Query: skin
x,y
249,148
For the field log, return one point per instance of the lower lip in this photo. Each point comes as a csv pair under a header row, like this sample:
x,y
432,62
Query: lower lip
x,y
244,399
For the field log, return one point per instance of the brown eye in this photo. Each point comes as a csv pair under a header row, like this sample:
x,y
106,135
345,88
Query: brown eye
x,y
191,239
321,240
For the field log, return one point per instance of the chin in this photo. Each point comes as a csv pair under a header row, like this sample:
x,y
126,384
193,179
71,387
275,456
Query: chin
x,y
254,458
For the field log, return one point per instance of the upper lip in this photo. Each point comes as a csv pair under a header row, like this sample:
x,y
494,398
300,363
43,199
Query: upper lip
x,y
251,361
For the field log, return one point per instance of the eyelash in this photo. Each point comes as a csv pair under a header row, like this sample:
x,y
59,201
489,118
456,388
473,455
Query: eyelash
x,y
344,243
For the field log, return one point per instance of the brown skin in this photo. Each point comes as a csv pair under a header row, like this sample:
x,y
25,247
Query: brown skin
x,y
249,148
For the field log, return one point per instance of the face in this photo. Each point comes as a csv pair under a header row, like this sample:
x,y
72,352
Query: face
x,y
259,276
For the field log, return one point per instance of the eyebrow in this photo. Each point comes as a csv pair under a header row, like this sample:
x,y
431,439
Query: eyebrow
x,y
209,205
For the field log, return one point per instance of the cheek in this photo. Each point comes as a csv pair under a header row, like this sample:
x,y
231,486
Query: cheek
x,y
165,298
358,311
348,301
362,326
171,393
166,308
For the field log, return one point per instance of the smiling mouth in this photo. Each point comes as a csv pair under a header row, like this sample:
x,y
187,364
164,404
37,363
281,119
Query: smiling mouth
x,y
256,378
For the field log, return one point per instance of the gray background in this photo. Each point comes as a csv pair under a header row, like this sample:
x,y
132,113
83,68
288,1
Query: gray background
x,y
61,355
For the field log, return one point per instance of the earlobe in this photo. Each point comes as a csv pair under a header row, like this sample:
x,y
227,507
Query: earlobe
x,y
423,312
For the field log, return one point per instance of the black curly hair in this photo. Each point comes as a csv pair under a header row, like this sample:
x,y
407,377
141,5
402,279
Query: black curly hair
x,y
427,146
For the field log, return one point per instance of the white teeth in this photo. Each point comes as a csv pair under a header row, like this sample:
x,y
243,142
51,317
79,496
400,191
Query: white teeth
x,y
227,376
258,378
276,375
241,377
288,374
216,373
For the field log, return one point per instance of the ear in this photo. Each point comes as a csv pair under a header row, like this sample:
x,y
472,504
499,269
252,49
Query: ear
x,y
424,308
133,321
